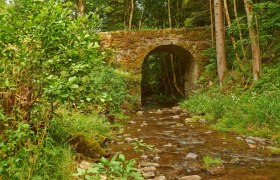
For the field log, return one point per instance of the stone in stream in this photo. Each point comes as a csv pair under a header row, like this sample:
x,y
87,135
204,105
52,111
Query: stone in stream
x,y
168,145
190,120
238,138
140,113
176,108
128,139
132,122
175,117
250,141
148,169
193,177
158,111
191,156
257,139
160,178
144,157
149,175
146,164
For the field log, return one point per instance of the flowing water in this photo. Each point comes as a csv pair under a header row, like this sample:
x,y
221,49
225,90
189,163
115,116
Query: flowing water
x,y
174,139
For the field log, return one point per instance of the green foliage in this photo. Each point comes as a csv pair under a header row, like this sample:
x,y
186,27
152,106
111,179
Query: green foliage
x,y
71,124
253,112
116,168
209,161
140,146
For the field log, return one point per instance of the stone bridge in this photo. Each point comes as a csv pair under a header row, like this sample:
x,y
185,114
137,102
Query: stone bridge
x,y
132,47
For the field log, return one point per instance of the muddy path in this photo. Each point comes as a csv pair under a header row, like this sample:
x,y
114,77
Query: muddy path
x,y
181,142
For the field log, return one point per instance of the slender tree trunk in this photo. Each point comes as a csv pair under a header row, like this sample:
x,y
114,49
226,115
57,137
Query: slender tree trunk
x,y
212,22
231,36
174,76
169,14
81,7
220,41
131,14
142,15
239,30
253,35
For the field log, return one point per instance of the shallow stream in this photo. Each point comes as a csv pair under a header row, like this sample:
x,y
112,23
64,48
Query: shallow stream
x,y
181,142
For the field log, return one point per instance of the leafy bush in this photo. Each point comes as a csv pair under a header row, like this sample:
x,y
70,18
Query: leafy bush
x,y
116,168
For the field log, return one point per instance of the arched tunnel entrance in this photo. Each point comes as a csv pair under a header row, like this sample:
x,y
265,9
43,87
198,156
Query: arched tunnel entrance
x,y
167,75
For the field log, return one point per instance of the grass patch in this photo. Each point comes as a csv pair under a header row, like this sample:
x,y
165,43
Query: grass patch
x,y
209,161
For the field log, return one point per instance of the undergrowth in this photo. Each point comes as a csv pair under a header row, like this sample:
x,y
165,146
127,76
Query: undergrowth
x,y
253,111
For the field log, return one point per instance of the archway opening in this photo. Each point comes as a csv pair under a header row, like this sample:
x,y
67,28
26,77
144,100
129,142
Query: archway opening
x,y
166,75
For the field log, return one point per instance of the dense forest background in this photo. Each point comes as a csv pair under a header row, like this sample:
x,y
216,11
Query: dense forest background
x,y
56,87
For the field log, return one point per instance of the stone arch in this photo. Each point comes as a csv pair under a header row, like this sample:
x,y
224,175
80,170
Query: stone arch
x,y
185,56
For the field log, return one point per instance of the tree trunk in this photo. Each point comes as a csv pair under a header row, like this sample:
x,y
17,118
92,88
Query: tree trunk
x,y
169,14
131,15
231,36
239,31
253,35
220,41
142,15
212,22
81,7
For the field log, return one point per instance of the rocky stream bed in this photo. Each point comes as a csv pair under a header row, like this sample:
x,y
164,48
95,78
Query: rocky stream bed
x,y
181,142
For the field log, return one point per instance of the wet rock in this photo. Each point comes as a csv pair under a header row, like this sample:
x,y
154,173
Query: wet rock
x,y
252,146
144,124
168,145
140,113
176,108
158,111
160,178
224,143
168,132
191,156
126,135
144,157
208,132
148,169
193,177
238,138
149,175
132,122
190,120
250,141
175,117
129,140
257,139
138,130
143,164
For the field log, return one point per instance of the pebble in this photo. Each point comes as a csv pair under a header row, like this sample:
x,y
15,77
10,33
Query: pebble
x,y
144,157
168,131
126,135
168,145
260,140
132,122
189,120
193,177
157,158
250,141
177,108
175,117
143,164
149,175
128,139
140,113
252,146
148,169
138,130
160,178
158,111
238,138
191,156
